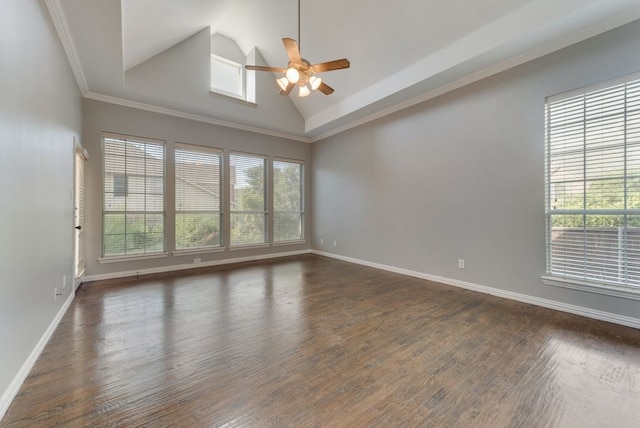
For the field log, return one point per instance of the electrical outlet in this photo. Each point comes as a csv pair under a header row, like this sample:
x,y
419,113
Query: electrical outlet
x,y
461,263
197,260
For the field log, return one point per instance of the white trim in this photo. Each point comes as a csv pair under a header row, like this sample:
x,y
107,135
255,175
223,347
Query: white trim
x,y
198,118
78,280
18,380
588,89
202,250
545,303
118,259
591,287
62,27
163,269
59,20
232,97
248,246
532,54
293,242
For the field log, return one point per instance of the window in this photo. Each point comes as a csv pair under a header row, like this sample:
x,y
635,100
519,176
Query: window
x,y
227,76
198,184
287,201
247,198
593,187
133,210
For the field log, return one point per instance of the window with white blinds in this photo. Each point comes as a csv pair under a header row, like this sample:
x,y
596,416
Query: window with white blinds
x,y
287,201
593,185
227,76
248,207
133,180
198,185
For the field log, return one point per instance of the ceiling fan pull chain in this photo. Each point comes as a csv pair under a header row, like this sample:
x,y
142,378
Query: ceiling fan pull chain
x,y
299,40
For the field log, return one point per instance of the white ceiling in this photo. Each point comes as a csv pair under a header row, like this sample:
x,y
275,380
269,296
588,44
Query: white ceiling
x,y
401,52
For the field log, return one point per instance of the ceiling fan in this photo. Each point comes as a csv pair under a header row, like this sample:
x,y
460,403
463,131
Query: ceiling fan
x,y
300,72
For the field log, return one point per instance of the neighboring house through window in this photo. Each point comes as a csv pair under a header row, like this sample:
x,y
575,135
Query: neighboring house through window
x,y
133,204
134,199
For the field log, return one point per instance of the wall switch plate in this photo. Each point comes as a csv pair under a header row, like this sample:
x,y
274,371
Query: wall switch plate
x,y
64,281
461,263
321,241
335,243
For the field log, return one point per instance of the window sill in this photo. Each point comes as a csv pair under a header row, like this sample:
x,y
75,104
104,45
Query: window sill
x,y
592,287
296,242
118,259
233,97
249,246
193,251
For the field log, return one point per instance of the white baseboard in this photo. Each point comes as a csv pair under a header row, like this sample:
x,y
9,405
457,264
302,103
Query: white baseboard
x,y
163,269
524,298
18,380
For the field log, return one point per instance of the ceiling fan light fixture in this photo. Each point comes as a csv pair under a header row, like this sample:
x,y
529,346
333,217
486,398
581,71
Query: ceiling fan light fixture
x,y
304,91
315,82
292,74
283,82
300,72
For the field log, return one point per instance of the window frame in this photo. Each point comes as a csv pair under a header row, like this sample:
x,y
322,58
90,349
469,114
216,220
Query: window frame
x,y
628,140
301,211
143,255
220,212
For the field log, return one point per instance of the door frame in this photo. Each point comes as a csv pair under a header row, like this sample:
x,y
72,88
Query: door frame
x,y
81,156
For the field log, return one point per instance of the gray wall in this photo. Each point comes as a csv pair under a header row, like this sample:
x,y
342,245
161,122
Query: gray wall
x,y
462,177
40,114
99,117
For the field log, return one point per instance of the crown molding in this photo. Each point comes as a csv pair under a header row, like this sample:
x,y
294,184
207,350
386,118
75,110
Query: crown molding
x,y
57,14
505,65
62,27
190,116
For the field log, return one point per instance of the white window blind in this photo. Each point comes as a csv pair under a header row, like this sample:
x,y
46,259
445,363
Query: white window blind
x,y
287,201
593,184
227,76
198,181
247,199
133,213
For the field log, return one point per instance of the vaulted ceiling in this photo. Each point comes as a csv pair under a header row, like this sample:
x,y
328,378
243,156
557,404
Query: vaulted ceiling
x,y
154,54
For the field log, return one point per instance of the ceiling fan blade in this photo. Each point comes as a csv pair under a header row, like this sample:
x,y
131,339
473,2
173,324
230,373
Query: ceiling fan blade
x,y
288,90
338,64
261,68
293,52
325,89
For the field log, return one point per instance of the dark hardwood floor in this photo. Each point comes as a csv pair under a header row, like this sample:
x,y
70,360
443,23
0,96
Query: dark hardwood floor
x,y
310,341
